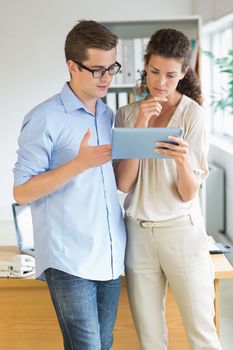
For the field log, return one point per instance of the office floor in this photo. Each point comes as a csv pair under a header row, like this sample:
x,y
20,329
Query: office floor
x,y
7,237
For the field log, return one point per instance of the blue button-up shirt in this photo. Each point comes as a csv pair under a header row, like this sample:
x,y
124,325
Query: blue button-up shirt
x,y
79,228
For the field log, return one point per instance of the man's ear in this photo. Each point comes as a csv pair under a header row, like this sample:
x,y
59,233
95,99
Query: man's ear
x,y
72,67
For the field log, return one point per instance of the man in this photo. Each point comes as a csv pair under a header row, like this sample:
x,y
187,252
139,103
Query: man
x,y
64,170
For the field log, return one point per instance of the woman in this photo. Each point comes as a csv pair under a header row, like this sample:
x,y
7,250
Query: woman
x,y
166,239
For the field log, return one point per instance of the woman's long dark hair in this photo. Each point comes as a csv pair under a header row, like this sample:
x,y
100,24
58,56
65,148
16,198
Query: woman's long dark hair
x,y
171,43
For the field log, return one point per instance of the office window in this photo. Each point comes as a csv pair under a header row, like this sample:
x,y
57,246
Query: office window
x,y
218,39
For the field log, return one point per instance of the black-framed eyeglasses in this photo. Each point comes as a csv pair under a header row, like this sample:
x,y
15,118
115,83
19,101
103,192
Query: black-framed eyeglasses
x,y
99,72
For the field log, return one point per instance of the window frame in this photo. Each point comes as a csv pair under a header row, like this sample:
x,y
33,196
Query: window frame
x,y
212,34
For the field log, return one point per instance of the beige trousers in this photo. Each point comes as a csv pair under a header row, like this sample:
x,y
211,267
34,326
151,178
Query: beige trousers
x,y
173,251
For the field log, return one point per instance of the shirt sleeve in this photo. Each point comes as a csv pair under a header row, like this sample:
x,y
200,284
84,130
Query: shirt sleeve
x,y
35,149
197,137
119,120
118,124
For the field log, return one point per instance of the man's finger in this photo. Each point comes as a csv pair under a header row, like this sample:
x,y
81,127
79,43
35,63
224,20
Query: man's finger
x,y
86,138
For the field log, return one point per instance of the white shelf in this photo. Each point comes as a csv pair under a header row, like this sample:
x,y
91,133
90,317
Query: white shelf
x,y
129,30
190,25
123,86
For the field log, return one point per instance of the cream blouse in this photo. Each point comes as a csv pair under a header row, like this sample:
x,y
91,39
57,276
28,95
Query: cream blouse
x,y
154,196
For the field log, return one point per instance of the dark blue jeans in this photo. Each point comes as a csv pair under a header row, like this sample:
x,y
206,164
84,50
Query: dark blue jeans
x,y
86,309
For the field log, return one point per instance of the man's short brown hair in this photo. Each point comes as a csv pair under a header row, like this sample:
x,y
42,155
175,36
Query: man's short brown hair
x,y
88,35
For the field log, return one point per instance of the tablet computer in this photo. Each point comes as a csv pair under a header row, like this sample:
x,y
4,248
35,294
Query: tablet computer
x,y
128,143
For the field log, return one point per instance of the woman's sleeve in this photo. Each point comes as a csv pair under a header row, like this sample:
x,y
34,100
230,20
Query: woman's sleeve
x,y
119,120
119,123
197,137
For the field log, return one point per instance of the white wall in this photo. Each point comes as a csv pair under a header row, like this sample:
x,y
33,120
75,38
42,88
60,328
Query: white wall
x,y
212,9
32,64
221,155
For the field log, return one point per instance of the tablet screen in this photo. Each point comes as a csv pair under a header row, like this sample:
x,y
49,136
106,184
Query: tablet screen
x,y
129,143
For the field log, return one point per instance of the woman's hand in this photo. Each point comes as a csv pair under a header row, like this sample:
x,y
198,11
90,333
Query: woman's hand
x,y
177,150
187,182
149,108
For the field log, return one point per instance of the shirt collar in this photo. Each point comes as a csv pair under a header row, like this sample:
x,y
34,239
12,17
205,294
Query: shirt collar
x,y
72,102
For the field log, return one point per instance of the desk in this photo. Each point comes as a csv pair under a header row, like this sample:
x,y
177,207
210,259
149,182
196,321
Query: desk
x,y
28,320
27,317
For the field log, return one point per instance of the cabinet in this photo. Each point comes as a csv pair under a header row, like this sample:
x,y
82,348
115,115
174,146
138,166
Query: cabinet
x,y
129,34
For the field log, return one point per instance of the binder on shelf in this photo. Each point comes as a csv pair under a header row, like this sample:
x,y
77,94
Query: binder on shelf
x,y
122,99
118,78
138,57
145,42
111,101
128,52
